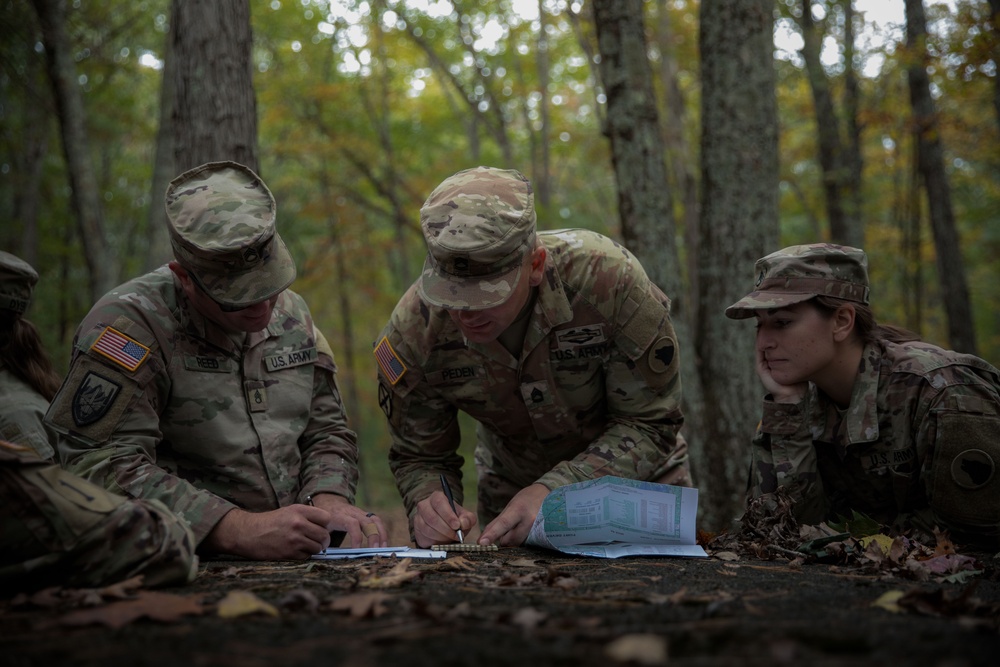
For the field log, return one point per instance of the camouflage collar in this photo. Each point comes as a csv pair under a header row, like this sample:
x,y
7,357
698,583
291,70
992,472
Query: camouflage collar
x,y
862,414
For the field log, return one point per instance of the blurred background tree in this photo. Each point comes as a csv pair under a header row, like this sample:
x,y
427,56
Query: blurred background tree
x,y
362,107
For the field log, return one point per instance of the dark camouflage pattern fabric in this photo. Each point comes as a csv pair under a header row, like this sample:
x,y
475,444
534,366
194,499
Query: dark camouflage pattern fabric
x,y
58,529
208,421
221,218
22,414
478,225
17,281
595,390
798,273
918,447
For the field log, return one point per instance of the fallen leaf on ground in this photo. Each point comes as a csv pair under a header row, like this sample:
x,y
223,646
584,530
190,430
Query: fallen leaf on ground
x,y
243,603
644,649
889,601
528,618
457,563
726,555
299,600
394,578
362,605
163,607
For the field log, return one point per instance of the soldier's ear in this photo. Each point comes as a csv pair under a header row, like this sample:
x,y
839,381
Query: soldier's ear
x,y
183,276
843,322
537,266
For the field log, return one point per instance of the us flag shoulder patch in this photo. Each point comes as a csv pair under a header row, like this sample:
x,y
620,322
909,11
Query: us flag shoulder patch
x,y
120,349
391,365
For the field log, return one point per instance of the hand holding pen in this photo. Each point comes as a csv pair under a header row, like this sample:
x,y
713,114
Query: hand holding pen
x,y
451,501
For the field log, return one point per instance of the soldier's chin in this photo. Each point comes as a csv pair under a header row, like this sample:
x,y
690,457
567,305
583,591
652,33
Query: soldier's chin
x,y
479,334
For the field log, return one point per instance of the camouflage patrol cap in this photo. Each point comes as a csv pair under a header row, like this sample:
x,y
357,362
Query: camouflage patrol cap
x,y
17,279
800,272
478,225
221,218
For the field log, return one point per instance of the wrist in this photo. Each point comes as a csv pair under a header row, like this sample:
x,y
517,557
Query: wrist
x,y
224,537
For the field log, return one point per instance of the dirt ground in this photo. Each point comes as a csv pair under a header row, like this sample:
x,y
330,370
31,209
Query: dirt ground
x,y
518,606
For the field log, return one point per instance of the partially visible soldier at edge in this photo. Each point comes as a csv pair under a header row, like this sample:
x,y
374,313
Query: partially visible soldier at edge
x,y
59,529
556,343
55,528
205,384
861,416
28,380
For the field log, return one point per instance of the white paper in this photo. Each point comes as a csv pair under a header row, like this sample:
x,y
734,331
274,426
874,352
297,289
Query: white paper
x,y
612,517
368,552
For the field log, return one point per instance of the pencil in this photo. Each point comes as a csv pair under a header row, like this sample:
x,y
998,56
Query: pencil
x,y
451,501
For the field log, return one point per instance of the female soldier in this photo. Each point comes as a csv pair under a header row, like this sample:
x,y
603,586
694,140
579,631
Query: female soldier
x,y
865,417
57,528
27,379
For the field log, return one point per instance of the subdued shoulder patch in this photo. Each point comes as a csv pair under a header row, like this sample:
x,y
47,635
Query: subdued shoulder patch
x,y
119,348
388,361
91,400
662,354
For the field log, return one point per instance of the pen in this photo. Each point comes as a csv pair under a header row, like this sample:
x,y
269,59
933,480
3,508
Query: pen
x,y
451,501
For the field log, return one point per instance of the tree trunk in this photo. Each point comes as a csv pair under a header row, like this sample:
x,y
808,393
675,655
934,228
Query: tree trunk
x,y
739,224
158,249
835,155
215,111
540,175
995,22
853,163
930,153
639,160
679,155
84,197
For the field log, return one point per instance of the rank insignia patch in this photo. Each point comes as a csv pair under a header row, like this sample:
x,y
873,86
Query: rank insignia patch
x,y
391,365
120,349
93,398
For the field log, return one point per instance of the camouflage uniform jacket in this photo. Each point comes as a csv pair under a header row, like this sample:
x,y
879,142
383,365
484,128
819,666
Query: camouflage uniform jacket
x,y
59,529
162,403
917,447
596,390
21,415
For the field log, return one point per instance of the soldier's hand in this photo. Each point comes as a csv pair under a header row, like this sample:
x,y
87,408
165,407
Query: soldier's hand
x,y
436,523
363,528
293,532
780,393
511,528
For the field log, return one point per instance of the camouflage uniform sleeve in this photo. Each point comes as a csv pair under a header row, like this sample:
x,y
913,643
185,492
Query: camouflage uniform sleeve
x,y
108,417
958,441
22,423
329,448
782,454
642,396
61,529
423,426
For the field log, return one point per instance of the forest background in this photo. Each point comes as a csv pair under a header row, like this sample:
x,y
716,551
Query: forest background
x,y
359,109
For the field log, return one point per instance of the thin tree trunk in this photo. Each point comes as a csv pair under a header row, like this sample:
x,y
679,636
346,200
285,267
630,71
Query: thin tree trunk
x,y
930,152
739,224
995,22
541,177
679,155
158,249
831,151
84,196
215,111
852,164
